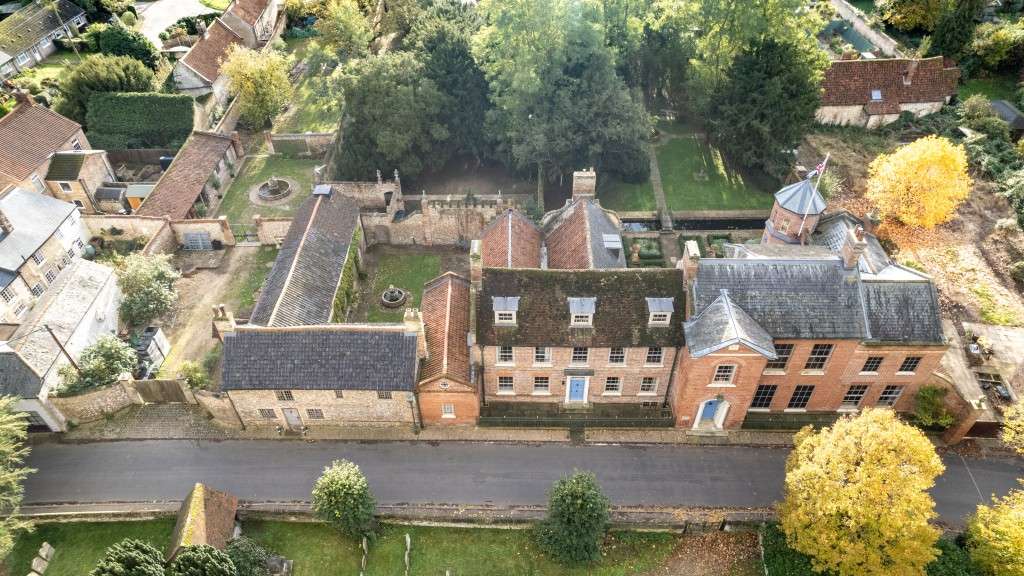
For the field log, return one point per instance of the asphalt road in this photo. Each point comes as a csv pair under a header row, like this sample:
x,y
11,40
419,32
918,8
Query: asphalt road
x,y
453,473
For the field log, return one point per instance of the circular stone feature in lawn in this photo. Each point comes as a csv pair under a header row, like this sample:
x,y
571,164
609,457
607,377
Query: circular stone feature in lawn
x,y
393,297
273,191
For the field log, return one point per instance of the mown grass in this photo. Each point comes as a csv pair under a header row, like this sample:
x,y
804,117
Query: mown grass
x,y
236,205
407,270
242,290
313,107
995,88
695,176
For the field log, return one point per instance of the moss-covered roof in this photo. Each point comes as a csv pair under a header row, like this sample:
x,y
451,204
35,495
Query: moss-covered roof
x,y
19,31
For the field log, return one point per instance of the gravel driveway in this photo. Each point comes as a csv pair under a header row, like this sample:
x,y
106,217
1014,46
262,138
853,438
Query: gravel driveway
x,y
157,16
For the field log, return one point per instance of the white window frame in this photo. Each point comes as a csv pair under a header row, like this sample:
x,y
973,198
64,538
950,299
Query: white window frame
x,y
37,182
65,187
76,144
771,398
499,357
724,376
545,390
504,317
7,294
648,380
815,358
785,358
50,275
806,401
657,351
38,289
659,318
616,383
890,400
541,356
582,320
871,359
586,356
22,59
512,383
611,356
860,393
876,95
44,43
917,364
447,410
39,258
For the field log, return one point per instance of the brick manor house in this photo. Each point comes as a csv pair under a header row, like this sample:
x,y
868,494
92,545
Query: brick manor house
x,y
553,326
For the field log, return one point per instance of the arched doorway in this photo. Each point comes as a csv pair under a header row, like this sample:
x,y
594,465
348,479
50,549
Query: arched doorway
x,y
711,414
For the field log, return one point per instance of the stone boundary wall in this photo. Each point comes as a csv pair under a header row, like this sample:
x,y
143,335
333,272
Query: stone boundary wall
x,y
271,231
441,220
96,404
220,409
218,228
965,412
133,226
312,144
228,122
163,242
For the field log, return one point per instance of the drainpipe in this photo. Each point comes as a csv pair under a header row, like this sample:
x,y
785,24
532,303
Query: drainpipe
x,y
414,408
672,376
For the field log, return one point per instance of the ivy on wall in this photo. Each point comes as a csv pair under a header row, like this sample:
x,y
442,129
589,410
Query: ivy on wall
x,y
345,296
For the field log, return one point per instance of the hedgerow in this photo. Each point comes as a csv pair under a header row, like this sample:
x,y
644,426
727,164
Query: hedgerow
x,y
139,120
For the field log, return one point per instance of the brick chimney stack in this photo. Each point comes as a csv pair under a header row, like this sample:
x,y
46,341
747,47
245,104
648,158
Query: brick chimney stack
x,y
23,97
853,247
584,183
5,224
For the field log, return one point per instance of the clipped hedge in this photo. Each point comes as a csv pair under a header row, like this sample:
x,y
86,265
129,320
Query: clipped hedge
x,y
120,120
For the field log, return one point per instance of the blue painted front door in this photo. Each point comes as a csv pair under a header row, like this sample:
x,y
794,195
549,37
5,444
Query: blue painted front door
x,y
577,389
708,413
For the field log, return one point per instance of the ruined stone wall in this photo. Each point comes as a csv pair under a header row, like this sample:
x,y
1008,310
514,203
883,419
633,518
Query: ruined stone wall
x,y
132,226
96,404
271,230
218,228
219,408
439,222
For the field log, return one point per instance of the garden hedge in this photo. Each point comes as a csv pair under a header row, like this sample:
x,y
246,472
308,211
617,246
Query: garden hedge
x,y
120,120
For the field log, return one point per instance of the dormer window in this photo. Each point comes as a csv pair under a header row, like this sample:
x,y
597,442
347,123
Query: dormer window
x,y
505,309
876,95
659,311
581,312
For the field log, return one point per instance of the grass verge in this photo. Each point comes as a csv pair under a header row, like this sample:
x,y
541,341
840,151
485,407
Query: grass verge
x,y
312,107
626,197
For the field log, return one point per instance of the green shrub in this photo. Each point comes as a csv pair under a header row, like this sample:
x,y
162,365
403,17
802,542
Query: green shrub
x,y
100,364
577,520
139,120
1017,270
249,558
342,497
201,560
930,411
130,558
129,19
193,375
952,561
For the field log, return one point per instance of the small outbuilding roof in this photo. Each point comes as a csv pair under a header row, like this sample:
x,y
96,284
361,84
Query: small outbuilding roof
x,y
445,306
206,517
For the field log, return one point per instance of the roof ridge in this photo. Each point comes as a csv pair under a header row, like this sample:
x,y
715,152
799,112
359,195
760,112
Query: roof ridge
x,y
586,227
447,322
298,253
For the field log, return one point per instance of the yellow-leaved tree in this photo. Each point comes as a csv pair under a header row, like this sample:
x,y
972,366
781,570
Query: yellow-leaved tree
x,y
1012,433
857,497
259,79
995,536
922,183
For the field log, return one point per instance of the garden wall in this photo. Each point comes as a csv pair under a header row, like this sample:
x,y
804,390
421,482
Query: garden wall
x,y
163,242
271,230
133,226
440,221
218,228
92,406
219,407
311,144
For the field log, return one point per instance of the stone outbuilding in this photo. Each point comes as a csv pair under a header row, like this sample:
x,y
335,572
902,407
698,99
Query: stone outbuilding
x,y
206,517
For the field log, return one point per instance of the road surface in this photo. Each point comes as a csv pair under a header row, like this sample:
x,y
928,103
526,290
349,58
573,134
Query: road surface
x,y
454,473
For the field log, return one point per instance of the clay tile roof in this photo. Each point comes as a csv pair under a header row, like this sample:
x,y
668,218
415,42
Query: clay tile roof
x,y
210,52
249,10
445,307
178,188
28,136
511,241
567,242
576,237
900,81
207,516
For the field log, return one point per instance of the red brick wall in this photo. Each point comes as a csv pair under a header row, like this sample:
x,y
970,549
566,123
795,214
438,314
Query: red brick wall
x,y
693,384
467,407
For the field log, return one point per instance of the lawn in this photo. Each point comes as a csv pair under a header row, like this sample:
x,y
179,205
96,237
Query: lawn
x,y
403,269
620,196
319,551
236,205
78,546
996,88
241,294
219,5
53,67
695,176
311,108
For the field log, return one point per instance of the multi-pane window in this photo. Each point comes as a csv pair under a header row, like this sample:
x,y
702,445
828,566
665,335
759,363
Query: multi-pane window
x,y
910,364
51,275
284,395
383,394
78,244
447,410
654,355
659,318
541,385
505,385
612,385
763,396
20,309
7,294
38,258
988,379
649,385
582,319
505,317
724,374
782,353
617,356
819,357
801,396
872,364
37,290
854,394
505,355
890,394
339,393
579,355
267,413
541,355
315,413
34,419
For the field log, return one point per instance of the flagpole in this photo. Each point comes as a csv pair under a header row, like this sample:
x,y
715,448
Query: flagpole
x,y
817,183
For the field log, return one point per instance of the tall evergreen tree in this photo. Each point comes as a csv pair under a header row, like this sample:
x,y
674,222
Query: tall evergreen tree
x,y
12,471
766,104
955,29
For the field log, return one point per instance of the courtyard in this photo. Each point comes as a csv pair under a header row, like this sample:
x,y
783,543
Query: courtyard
x,y
238,203
405,267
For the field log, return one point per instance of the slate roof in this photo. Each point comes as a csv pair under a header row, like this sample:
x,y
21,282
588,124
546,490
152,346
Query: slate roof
x,y
301,286
179,187
900,80
724,324
1009,114
35,219
445,309
28,136
207,55
903,312
511,241
801,198
796,299
66,166
620,318
333,357
574,237
17,378
24,28
778,251
832,231
249,11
